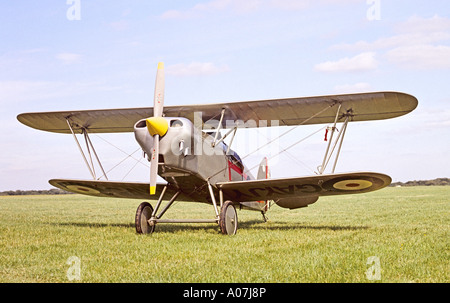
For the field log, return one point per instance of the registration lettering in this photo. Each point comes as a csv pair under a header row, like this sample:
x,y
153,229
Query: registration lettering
x,y
275,191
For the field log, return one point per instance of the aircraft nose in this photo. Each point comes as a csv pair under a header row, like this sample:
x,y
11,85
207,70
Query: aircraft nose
x,y
143,137
157,126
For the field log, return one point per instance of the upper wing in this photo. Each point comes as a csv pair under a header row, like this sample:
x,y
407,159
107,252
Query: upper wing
x,y
320,185
316,110
95,121
291,111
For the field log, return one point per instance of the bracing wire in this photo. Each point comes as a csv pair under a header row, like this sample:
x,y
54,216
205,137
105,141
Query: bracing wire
x,y
128,155
290,146
289,130
283,134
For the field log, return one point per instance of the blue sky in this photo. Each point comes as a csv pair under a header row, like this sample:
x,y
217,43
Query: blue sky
x,y
64,55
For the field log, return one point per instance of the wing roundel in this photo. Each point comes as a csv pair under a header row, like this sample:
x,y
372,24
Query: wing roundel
x,y
304,187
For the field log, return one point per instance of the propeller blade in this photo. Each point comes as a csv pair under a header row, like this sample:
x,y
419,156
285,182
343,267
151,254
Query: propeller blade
x,y
158,101
157,126
154,165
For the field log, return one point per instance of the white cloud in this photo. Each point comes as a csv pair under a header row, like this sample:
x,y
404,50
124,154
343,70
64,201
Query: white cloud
x,y
359,87
403,39
362,62
418,43
18,91
433,118
26,91
237,6
120,25
418,24
173,14
247,6
196,69
68,58
290,4
421,56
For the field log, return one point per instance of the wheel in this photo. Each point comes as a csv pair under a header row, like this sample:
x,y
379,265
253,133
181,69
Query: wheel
x,y
228,220
143,214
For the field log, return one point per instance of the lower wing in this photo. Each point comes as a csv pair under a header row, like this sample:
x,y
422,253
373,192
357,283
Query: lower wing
x,y
112,189
283,191
308,187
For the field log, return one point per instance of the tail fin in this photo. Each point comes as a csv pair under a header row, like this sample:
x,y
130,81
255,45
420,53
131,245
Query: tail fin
x,y
264,173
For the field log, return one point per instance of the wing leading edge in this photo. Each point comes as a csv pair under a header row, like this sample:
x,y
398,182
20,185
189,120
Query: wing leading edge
x,y
113,189
289,111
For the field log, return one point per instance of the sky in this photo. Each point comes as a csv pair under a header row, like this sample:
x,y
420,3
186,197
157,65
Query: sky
x,y
80,54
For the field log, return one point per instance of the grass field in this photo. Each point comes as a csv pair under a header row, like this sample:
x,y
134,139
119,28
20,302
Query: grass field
x,y
393,235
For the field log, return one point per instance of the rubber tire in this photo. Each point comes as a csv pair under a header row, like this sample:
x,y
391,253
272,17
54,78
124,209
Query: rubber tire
x,y
228,220
143,214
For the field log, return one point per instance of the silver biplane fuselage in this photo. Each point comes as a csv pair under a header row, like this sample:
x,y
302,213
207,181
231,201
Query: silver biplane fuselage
x,y
189,157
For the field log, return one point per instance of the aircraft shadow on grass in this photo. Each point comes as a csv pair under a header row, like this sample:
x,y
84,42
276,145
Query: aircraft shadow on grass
x,y
251,224
94,225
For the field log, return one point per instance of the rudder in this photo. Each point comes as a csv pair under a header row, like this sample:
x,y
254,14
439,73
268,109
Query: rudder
x,y
264,173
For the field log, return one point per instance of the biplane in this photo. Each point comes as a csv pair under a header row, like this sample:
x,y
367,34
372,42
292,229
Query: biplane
x,y
198,166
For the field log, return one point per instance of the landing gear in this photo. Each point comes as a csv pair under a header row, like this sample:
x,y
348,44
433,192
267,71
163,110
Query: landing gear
x,y
147,217
264,216
228,220
143,215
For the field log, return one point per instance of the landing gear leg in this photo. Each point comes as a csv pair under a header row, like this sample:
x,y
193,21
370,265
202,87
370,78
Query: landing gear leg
x,y
264,216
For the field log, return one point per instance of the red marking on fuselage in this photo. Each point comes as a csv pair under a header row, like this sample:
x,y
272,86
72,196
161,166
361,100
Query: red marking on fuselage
x,y
232,166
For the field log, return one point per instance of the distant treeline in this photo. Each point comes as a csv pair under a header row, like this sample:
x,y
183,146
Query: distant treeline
x,y
435,182
53,191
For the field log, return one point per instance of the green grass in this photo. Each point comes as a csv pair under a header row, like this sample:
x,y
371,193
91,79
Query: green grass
x,y
329,241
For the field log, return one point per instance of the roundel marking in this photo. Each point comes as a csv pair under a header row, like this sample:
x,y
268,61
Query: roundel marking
x,y
352,184
82,189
